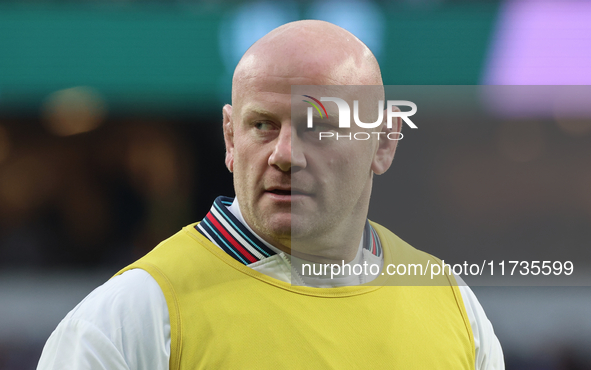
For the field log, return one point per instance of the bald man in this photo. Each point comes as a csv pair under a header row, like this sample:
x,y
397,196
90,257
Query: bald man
x,y
228,293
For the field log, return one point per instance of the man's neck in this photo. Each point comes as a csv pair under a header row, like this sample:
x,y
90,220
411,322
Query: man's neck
x,y
224,226
278,247
235,209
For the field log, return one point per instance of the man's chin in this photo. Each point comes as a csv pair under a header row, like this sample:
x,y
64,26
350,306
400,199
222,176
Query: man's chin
x,y
303,227
279,226
282,226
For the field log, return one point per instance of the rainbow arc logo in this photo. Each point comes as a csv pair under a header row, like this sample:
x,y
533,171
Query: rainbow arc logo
x,y
316,106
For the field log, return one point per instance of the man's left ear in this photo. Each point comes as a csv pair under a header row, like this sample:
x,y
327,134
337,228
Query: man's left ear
x,y
386,147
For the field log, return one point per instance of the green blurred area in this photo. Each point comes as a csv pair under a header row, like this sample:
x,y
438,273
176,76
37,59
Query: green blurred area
x,y
162,57
442,46
139,56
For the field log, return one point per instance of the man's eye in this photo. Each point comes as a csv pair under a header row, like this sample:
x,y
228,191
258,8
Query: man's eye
x,y
263,126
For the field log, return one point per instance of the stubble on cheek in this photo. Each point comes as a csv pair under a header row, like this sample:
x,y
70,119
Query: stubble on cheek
x,y
270,221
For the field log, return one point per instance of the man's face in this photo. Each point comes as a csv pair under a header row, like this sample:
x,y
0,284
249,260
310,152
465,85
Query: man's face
x,y
289,183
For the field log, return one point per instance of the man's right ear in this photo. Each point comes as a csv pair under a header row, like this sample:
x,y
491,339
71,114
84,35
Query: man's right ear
x,y
228,136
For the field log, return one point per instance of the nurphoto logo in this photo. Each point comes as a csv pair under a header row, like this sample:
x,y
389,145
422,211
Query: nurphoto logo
x,y
345,117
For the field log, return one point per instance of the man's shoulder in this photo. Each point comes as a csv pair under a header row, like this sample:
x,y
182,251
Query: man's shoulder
x,y
187,234
123,296
185,261
185,246
419,268
123,324
398,247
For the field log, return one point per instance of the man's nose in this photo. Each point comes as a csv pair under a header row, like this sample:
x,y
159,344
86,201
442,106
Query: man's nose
x,y
287,155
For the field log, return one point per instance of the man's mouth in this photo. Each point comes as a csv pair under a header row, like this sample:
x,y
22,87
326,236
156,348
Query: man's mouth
x,y
284,192
280,192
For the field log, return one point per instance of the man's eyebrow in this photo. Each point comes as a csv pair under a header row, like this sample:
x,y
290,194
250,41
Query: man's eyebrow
x,y
250,111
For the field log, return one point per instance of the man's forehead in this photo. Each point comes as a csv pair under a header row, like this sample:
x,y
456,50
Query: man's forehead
x,y
257,96
266,90
258,109
271,89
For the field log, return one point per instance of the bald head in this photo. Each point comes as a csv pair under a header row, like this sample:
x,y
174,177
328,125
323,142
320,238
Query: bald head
x,y
309,52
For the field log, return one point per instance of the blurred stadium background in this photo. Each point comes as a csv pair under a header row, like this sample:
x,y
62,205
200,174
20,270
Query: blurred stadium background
x,y
110,141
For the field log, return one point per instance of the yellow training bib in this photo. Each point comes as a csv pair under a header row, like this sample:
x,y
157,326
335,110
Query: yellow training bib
x,y
224,315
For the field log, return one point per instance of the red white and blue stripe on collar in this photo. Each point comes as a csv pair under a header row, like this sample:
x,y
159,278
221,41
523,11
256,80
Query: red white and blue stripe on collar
x,y
223,229
371,240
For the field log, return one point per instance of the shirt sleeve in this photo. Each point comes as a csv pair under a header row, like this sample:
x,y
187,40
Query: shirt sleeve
x,y
122,325
489,354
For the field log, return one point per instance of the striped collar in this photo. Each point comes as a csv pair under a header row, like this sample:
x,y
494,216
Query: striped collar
x,y
223,229
371,240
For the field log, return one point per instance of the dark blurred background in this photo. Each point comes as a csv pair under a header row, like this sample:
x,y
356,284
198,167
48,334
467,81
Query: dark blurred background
x,y
110,141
